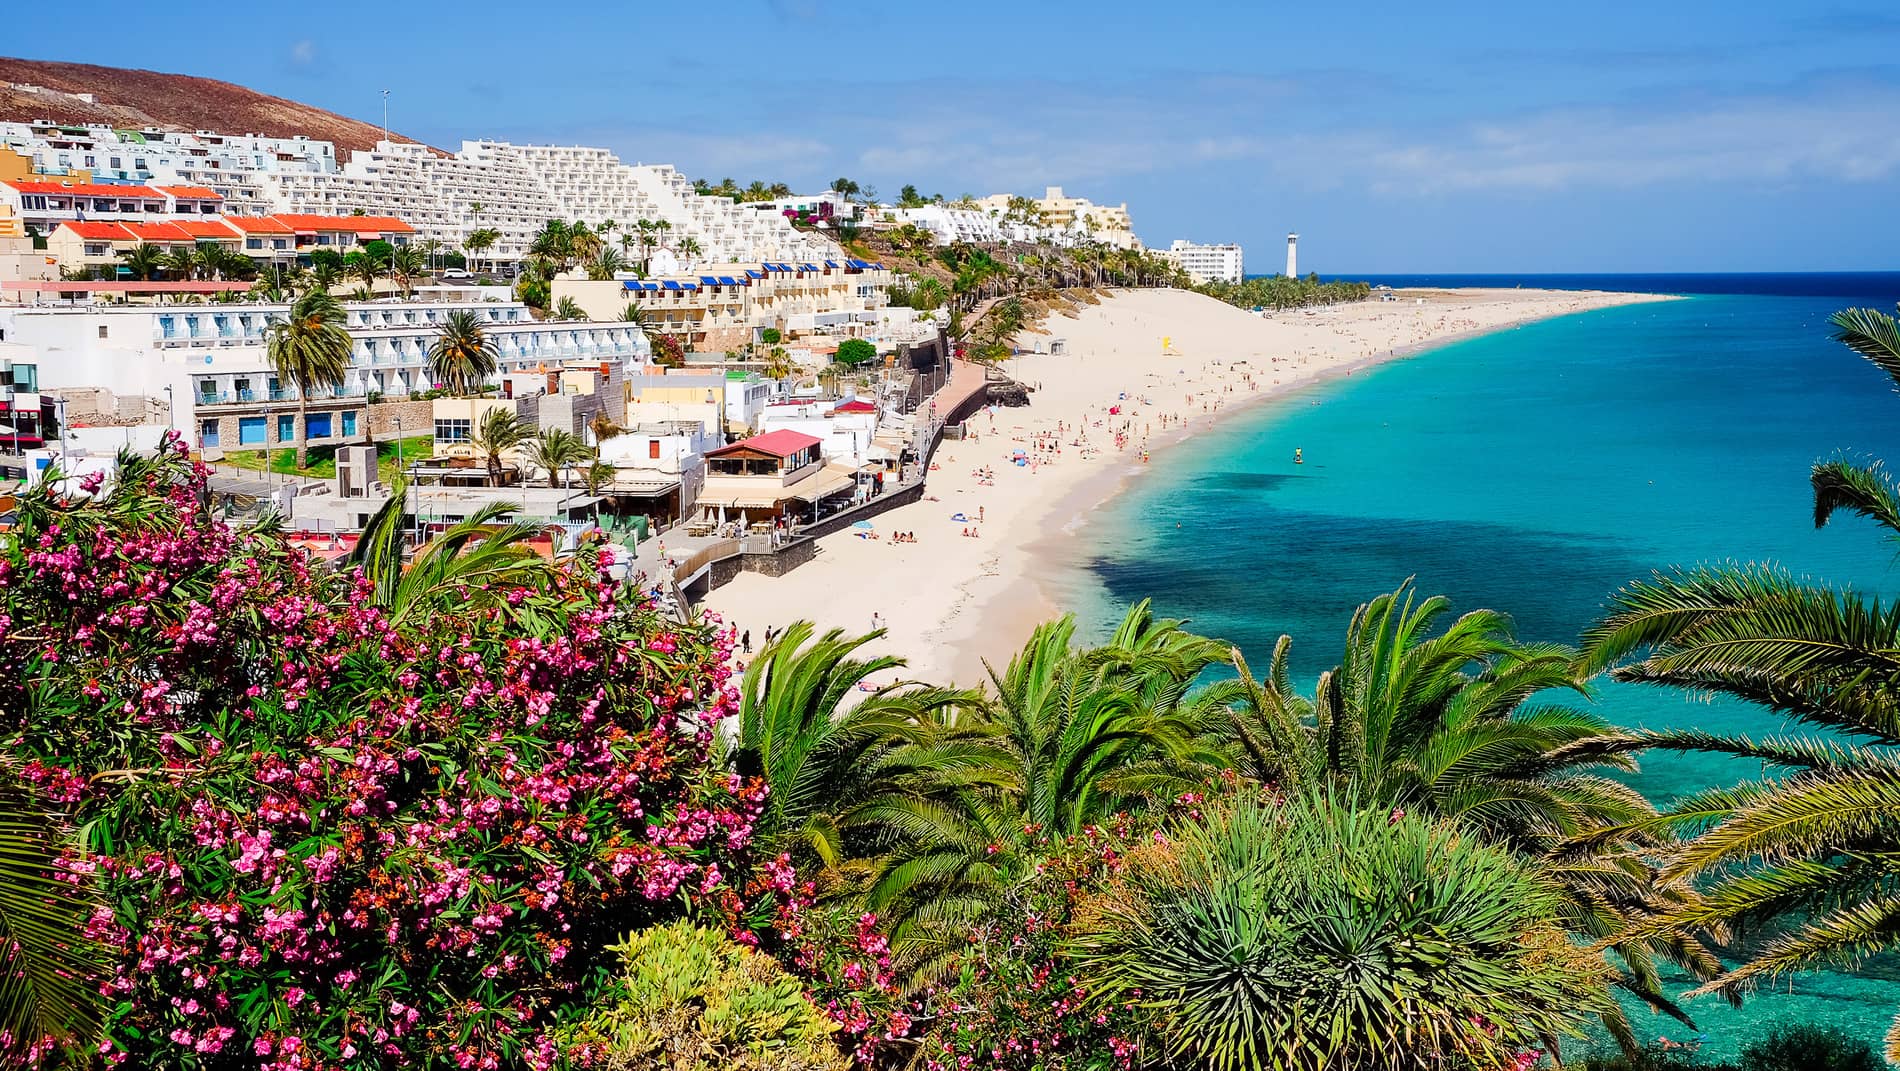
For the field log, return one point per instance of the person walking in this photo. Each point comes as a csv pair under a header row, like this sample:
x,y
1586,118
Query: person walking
x,y
745,641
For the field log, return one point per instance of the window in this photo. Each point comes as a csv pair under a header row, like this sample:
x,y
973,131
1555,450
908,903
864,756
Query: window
x,y
452,431
102,330
251,431
208,432
349,424
253,243
26,377
653,449
317,426
286,429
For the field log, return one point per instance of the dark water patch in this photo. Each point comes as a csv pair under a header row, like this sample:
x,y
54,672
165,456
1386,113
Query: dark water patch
x,y
1303,574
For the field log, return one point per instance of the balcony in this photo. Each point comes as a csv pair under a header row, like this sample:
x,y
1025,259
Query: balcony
x,y
275,397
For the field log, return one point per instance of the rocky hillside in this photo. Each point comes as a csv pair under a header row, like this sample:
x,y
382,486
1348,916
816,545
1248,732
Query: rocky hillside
x,y
138,99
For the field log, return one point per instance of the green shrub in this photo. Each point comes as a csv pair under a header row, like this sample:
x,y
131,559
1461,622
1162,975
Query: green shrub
x,y
1323,933
693,999
853,352
1806,1047
770,336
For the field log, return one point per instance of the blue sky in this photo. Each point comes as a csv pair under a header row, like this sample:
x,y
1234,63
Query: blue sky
x,y
1604,136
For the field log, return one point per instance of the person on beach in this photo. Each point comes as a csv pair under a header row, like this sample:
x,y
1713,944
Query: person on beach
x,y
745,641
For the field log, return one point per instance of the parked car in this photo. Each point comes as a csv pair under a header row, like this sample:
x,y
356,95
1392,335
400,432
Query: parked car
x,y
456,273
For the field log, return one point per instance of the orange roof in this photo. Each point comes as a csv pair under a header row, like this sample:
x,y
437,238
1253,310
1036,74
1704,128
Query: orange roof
x,y
85,189
198,192
156,232
352,224
94,230
257,224
204,228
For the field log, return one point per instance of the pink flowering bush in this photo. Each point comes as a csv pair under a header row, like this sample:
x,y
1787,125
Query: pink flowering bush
x,y
332,841
1002,994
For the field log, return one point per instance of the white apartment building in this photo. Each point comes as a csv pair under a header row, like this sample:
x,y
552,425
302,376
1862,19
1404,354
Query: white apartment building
x,y
1207,262
225,163
208,363
949,225
1076,218
515,189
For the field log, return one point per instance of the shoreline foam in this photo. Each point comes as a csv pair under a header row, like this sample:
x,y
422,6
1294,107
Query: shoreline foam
x,y
951,602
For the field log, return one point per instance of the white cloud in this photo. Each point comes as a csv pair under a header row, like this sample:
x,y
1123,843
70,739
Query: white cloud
x,y
303,53
1843,135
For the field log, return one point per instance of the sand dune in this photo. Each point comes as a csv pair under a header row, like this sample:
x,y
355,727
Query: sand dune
x,y
949,600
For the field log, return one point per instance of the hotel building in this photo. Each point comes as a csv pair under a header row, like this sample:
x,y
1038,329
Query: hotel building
x,y
207,368
1204,263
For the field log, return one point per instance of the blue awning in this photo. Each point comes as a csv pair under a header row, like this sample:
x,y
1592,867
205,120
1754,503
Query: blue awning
x,y
689,286
671,285
878,264
831,263
858,264
709,280
630,284
750,274
727,280
808,267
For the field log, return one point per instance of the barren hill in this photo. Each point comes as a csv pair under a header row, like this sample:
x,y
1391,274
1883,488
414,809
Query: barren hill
x,y
137,99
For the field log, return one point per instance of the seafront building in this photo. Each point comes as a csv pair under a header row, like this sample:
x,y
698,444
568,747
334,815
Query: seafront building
x,y
1080,217
1204,263
203,369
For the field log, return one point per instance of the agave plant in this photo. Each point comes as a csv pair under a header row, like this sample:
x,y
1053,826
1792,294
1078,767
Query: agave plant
x,y
1327,933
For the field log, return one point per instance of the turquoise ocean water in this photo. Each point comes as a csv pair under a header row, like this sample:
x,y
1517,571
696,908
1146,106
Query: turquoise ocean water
x,y
1534,471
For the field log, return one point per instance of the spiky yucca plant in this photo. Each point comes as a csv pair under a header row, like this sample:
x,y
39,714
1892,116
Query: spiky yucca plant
x,y
1325,933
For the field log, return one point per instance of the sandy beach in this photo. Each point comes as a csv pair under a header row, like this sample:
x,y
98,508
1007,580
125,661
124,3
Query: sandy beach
x,y
950,600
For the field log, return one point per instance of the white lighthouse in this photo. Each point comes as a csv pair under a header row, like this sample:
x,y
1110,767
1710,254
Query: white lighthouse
x,y
1292,256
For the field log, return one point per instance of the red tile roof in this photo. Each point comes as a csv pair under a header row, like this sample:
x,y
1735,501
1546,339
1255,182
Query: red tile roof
x,y
351,224
258,224
205,228
86,189
782,443
156,232
94,230
198,193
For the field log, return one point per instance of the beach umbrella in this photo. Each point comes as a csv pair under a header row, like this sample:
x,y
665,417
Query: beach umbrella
x,y
866,525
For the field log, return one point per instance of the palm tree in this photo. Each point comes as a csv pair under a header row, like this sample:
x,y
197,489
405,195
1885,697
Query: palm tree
x,y
498,431
476,560
144,260
605,264
1069,737
49,969
478,241
1455,725
324,277
310,350
637,316
1817,847
462,357
182,262
360,264
828,766
568,309
405,263
597,477
688,247
555,450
